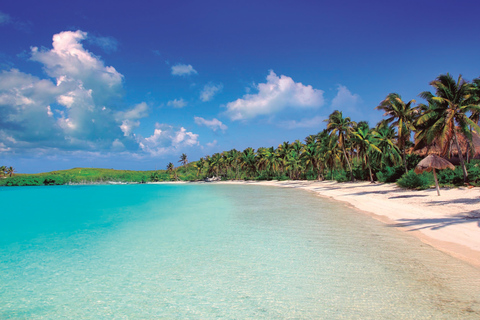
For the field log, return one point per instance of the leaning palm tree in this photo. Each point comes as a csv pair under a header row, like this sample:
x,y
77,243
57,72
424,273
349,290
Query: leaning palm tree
x,y
342,128
183,159
10,171
447,114
402,115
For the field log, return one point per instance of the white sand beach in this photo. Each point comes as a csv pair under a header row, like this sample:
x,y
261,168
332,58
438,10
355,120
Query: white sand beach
x,y
450,222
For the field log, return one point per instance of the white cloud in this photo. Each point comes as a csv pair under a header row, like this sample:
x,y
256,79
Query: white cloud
x,y
69,113
314,122
212,144
277,94
77,109
345,100
129,118
177,103
183,70
167,139
69,61
213,124
210,90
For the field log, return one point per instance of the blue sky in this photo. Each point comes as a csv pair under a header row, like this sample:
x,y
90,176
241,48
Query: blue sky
x,y
125,85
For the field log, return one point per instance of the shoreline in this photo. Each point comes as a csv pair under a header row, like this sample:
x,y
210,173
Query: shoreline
x,y
449,223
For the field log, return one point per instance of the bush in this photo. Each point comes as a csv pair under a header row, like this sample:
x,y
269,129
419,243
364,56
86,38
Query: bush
x,y
411,180
473,169
449,177
341,176
390,174
54,180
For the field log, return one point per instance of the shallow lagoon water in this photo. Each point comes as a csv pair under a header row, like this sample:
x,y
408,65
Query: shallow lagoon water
x,y
203,251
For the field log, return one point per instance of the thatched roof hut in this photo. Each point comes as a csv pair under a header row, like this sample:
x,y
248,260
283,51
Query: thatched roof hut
x,y
452,153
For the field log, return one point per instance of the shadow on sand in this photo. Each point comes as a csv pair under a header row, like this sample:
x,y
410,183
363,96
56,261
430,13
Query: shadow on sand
x,y
438,223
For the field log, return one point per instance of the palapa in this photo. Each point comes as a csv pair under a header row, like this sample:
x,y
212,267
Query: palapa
x,y
433,162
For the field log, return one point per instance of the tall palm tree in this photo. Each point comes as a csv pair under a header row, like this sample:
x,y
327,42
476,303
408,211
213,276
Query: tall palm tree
x,y
402,115
311,158
200,164
248,161
183,159
342,128
172,170
3,170
385,137
366,146
447,114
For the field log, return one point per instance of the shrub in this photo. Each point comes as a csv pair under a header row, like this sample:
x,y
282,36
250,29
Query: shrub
x,y
450,177
341,176
411,180
390,174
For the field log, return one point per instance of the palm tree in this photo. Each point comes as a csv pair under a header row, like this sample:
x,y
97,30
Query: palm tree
x,y
10,171
200,164
365,142
402,115
183,159
248,161
3,170
311,158
341,127
447,114
172,170
385,141
331,152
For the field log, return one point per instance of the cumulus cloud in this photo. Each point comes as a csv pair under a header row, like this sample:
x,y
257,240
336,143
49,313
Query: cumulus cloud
x,y
209,91
277,94
345,100
213,124
183,70
74,111
167,139
177,103
70,61
314,122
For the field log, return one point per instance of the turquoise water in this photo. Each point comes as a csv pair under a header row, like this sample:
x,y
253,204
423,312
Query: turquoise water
x,y
204,251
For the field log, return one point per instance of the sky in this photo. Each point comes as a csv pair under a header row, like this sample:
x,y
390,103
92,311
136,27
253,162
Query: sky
x,y
133,85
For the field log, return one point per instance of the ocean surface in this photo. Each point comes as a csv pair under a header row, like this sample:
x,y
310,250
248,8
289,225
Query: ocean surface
x,y
206,251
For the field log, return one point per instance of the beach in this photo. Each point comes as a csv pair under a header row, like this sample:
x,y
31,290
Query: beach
x,y
450,222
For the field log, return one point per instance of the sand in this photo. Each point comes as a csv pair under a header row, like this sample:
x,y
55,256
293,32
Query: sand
x,y
450,222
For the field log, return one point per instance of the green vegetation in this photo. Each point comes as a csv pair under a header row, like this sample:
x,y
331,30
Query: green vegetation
x,y
344,151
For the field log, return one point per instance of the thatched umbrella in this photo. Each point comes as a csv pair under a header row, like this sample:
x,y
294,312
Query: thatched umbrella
x,y
433,162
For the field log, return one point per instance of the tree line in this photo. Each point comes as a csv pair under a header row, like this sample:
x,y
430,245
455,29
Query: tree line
x,y
356,150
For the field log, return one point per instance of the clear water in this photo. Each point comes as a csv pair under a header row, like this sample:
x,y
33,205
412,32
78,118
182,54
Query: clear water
x,y
215,251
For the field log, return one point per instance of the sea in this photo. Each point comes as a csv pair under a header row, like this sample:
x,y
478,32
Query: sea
x,y
216,251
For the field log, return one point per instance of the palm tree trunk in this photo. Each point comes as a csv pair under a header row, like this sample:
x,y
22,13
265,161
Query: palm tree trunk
x,y
348,162
460,156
